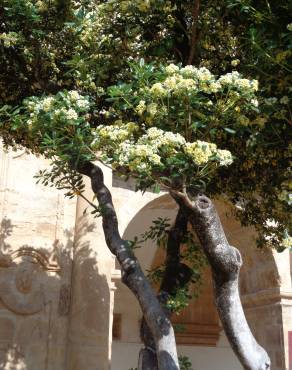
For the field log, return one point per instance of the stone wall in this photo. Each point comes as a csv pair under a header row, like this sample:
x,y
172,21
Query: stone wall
x,y
55,275
36,238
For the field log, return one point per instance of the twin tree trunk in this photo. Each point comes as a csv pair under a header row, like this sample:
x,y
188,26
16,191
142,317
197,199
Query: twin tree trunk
x,y
225,261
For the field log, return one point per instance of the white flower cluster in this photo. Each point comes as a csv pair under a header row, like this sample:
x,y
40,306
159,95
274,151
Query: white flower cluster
x,y
90,25
285,195
284,100
138,157
47,104
158,90
142,5
190,79
201,74
61,106
224,157
80,101
233,79
71,114
146,152
159,138
141,107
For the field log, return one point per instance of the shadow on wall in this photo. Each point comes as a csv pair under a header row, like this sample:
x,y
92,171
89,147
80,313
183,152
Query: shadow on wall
x,y
39,302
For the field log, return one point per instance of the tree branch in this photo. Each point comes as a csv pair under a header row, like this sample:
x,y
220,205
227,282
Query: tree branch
x,y
132,274
176,275
225,262
171,279
194,31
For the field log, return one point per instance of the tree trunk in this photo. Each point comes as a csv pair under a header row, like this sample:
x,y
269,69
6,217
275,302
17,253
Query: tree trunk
x,y
225,261
176,275
132,275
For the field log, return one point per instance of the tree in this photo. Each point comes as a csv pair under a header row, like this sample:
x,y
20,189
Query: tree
x,y
150,89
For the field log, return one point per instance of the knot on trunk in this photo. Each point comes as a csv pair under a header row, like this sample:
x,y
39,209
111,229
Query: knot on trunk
x,y
203,202
128,267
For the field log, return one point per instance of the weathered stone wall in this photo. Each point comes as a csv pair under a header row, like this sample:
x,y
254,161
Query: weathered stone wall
x,y
55,276
36,238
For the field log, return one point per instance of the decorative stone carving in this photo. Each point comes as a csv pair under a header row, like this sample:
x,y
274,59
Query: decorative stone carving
x,y
23,277
21,290
38,257
8,260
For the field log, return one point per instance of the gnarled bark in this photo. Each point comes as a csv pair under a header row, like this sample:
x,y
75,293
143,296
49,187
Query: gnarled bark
x,y
132,275
225,261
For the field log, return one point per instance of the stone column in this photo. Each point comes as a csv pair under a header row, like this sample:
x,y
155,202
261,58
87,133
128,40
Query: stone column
x,y
269,310
283,261
287,325
264,314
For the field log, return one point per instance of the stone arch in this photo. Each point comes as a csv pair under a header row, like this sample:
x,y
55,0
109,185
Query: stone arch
x,y
162,206
260,282
127,314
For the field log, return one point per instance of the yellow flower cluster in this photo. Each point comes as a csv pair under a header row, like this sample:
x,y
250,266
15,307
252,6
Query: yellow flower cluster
x,y
10,38
200,151
144,5
114,134
154,147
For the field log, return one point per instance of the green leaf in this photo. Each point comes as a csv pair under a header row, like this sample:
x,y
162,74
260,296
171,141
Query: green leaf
x,y
229,130
156,189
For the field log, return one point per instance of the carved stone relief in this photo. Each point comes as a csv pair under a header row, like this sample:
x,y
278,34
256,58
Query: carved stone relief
x,y
23,274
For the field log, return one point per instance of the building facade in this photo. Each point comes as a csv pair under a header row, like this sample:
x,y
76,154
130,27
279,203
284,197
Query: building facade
x,y
63,306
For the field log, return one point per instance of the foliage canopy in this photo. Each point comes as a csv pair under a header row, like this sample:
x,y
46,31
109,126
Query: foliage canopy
x,y
190,99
